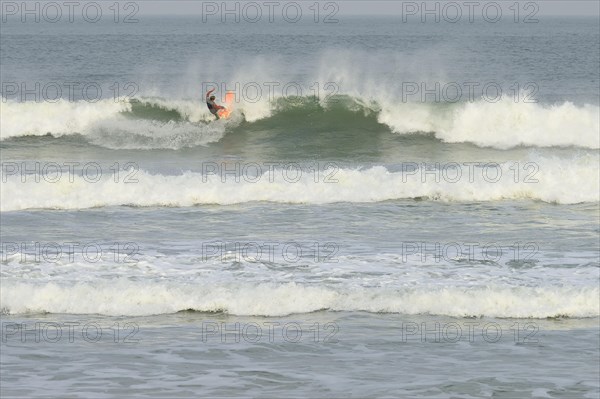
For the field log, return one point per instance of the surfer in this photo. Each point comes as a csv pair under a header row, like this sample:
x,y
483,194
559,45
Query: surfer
x,y
213,107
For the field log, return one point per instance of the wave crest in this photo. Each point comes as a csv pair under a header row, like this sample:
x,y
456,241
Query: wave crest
x,y
563,181
124,297
174,124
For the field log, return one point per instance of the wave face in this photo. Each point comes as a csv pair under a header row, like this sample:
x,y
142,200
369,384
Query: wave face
x,y
552,180
112,124
151,123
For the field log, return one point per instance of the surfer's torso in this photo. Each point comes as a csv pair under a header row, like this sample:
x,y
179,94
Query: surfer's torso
x,y
212,107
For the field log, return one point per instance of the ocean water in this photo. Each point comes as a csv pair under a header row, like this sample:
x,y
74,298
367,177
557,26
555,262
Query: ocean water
x,y
394,209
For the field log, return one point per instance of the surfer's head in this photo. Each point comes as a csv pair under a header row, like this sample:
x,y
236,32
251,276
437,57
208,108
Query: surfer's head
x,y
212,98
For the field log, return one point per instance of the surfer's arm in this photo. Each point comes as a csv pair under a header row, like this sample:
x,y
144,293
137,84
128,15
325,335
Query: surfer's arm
x,y
208,92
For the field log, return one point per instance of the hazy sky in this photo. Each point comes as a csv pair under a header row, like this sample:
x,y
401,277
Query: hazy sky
x,y
390,7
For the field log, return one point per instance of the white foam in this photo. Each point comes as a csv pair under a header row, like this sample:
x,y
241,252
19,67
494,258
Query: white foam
x,y
557,180
104,124
57,118
409,91
121,133
125,297
502,125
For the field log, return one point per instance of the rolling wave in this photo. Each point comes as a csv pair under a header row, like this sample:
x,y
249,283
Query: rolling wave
x,y
548,179
135,298
153,123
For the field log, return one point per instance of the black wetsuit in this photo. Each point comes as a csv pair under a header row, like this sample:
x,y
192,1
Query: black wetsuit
x,y
212,107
